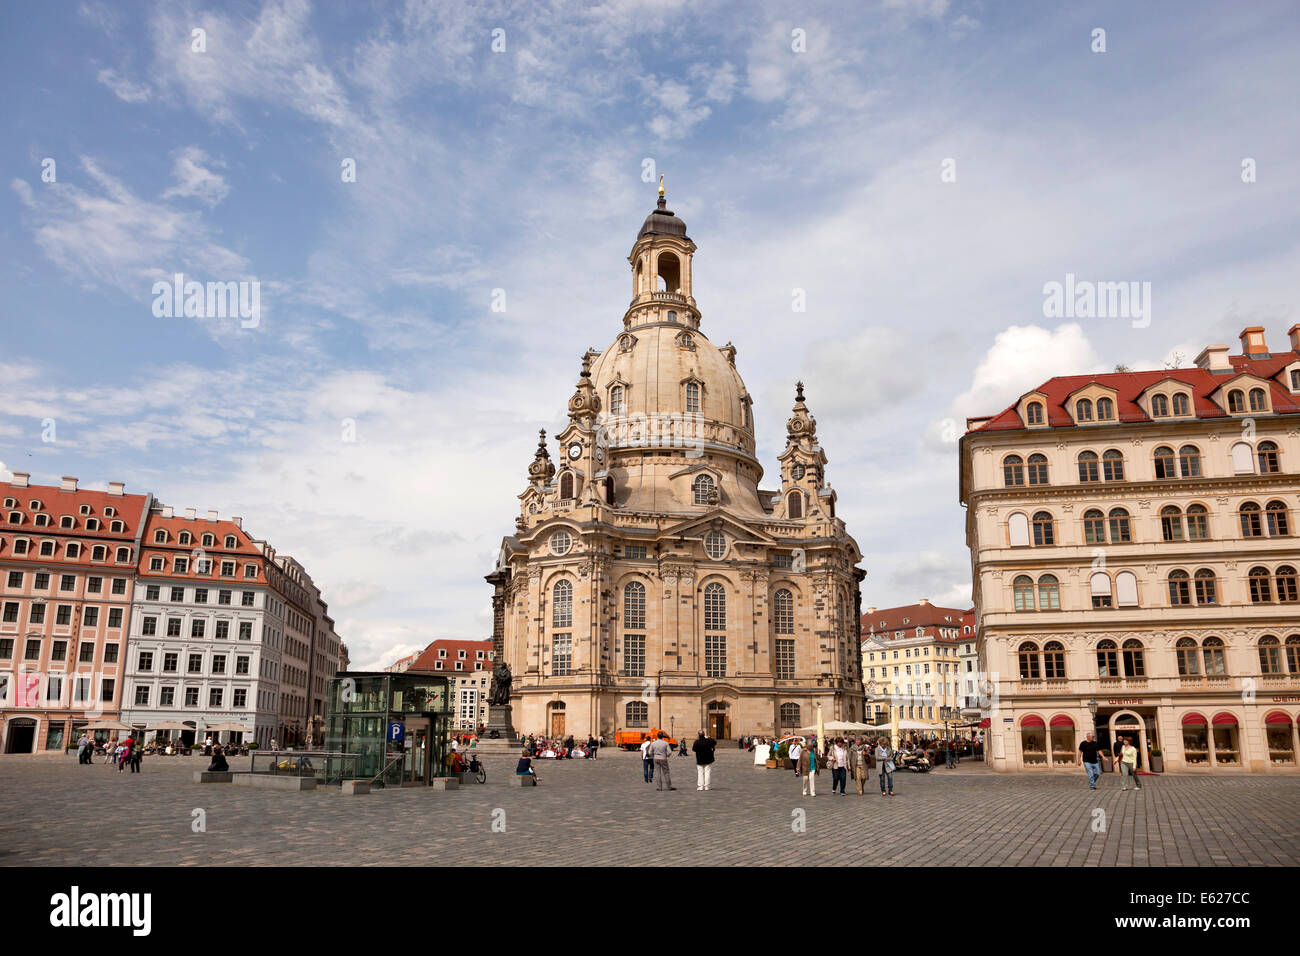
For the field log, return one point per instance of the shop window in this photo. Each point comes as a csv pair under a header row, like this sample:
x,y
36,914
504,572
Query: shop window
x,y
1062,737
1281,745
1227,750
1033,741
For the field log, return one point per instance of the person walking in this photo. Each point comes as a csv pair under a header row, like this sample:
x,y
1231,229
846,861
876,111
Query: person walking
x,y
839,761
885,761
1088,757
796,750
951,752
83,742
1128,764
660,752
647,765
703,747
124,754
858,765
808,767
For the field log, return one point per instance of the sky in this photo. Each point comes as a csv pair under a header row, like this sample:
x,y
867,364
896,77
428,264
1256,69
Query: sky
x,y
437,200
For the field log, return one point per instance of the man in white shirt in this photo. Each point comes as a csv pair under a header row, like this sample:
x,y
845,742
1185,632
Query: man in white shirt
x,y
647,765
795,750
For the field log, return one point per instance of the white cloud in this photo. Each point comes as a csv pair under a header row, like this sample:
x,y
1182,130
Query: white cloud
x,y
194,179
123,88
1021,358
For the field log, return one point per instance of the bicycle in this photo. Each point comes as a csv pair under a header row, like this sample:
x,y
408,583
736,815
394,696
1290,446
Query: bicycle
x,y
476,768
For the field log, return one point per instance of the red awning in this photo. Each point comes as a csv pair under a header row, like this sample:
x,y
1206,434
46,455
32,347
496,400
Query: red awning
x,y
1033,720
1195,720
1060,720
1225,720
986,722
1278,717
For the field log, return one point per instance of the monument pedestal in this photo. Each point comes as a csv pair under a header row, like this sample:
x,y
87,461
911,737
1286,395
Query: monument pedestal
x,y
507,741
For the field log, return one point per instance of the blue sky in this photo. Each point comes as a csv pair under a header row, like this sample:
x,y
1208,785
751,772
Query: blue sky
x,y
521,170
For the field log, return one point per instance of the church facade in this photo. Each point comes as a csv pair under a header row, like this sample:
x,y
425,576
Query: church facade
x,y
650,582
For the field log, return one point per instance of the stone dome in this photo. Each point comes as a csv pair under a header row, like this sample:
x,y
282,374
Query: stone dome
x,y
655,366
662,222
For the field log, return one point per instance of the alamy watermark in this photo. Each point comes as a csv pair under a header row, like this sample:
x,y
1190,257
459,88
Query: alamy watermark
x,y
208,300
1086,299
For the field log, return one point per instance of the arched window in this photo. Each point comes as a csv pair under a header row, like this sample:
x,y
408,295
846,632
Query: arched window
x,y
1105,409
1286,584
1257,401
1107,659
702,489
1243,461
1018,529
1094,527
160,536
1189,657
1277,520
1126,589
1270,655
1189,458
1113,465
1029,661
98,553
1293,653
1207,587
692,396
1251,525
1013,470
715,630
209,541
231,541
1134,659
638,713
1216,665
1236,401
1164,462
1171,523
1181,406
1089,468
184,538
1083,410
1159,406
1023,590
1099,586
1044,529
634,606
566,485
562,604
1267,454
783,612
123,555
1120,529
1034,413
616,400
1037,469
1198,523
794,504
1261,590
1049,593
1180,591
1054,660
73,550
790,716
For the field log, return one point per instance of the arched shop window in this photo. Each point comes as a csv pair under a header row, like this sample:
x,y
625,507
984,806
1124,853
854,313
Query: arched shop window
x,y
1033,741
1062,737
1281,742
1196,742
1227,740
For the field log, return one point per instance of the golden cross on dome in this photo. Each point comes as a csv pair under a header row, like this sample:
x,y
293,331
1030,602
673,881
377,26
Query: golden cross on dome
x,y
661,184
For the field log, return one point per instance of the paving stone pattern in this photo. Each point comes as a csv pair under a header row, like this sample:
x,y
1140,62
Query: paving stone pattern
x,y
592,812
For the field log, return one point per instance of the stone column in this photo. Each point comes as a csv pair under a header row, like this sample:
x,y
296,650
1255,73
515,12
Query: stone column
x,y
500,737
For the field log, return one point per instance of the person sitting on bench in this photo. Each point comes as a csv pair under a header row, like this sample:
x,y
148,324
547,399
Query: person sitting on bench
x,y
218,760
525,767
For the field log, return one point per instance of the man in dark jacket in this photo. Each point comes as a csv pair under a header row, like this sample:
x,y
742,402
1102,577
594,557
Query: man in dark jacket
x,y
703,748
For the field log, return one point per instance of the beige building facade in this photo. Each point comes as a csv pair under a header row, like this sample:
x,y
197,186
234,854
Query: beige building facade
x,y
1133,548
650,581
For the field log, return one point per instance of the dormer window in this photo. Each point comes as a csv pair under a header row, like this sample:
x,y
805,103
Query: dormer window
x,y
66,521
42,521
1181,405
231,542
1105,410
616,406
702,489
92,524
184,538
1083,410
118,526
209,541
692,396
685,341
1236,401
15,517
11,503
160,536
1258,402
110,512
1034,413
1295,379
85,509
1159,406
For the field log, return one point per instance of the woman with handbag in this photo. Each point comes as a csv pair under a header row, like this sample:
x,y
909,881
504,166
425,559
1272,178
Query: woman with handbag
x,y
885,759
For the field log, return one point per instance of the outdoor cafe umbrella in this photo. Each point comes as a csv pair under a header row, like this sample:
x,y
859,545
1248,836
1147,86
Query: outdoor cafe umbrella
x,y
821,729
168,725
108,725
218,728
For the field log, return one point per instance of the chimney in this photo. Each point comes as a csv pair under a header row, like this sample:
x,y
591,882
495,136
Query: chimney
x,y
1214,358
19,479
1295,337
1252,341
68,484
212,515
167,511
239,522
115,488
871,610
925,601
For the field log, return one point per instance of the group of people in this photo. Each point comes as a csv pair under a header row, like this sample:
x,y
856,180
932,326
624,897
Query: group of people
x,y
123,754
845,758
656,756
561,749
1089,756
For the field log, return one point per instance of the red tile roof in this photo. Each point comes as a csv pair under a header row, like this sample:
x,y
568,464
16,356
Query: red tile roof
x,y
1130,385
56,503
885,621
429,658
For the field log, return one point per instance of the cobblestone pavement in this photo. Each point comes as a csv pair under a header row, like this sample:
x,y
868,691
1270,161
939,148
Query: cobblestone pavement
x,y
601,812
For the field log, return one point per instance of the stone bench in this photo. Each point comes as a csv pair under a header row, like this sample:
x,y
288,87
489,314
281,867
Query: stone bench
x,y
444,783
213,776
466,777
521,780
355,788
267,781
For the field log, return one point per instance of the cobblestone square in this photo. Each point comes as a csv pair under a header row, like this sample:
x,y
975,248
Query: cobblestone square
x,y
601,813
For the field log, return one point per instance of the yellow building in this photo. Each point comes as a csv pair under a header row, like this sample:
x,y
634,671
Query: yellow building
x,y
919,659
1133,549
650,580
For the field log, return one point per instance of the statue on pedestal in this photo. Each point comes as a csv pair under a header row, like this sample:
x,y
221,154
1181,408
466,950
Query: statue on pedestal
x,y
499,693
